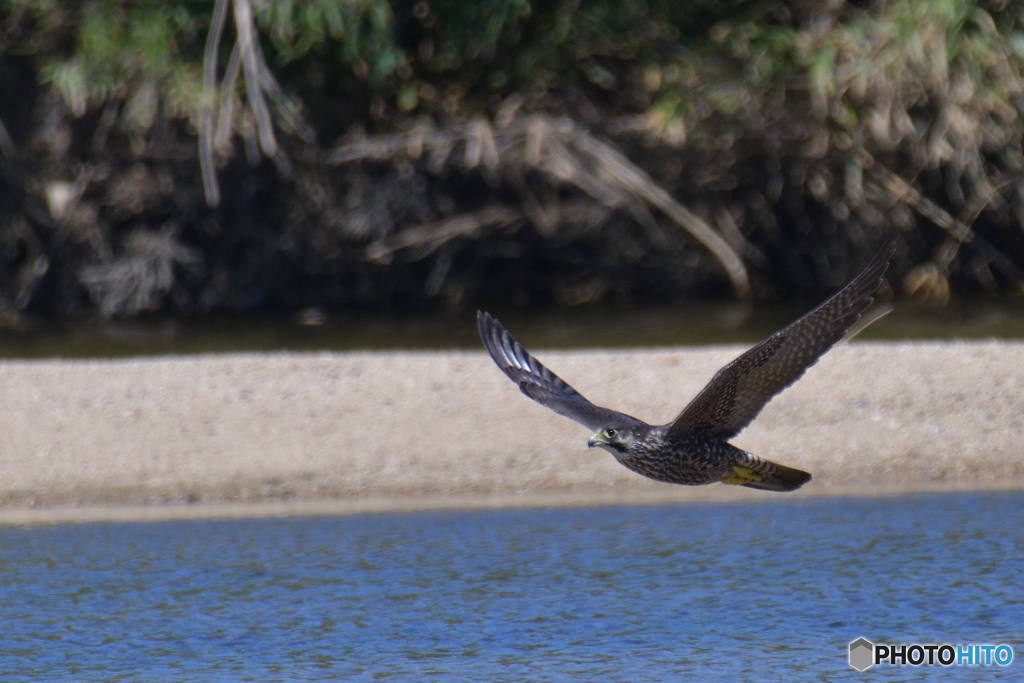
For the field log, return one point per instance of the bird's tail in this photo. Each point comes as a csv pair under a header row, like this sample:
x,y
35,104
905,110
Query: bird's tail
x,y
758,473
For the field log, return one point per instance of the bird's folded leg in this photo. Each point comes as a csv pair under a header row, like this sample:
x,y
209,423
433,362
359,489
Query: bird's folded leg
x,y
742,476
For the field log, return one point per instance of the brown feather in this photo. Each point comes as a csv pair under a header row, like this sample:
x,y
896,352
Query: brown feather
x,y
740,390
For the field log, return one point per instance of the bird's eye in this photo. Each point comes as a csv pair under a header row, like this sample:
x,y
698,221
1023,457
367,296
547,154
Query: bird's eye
x,y
610,433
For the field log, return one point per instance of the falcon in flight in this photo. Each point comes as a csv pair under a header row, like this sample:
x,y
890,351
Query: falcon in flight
x,y
693,448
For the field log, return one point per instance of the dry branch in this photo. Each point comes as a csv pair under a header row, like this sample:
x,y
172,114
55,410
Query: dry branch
x,y
642,185
430,236
246,58
903,191
251,68
227,99
560,151
206,162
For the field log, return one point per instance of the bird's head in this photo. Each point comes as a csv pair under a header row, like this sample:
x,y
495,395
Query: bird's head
x,y
616,439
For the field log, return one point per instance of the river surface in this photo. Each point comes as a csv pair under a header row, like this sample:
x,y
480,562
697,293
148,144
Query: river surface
x,y
744,591
689,324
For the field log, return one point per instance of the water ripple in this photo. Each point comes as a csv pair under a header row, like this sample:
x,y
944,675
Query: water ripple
x,y
727,591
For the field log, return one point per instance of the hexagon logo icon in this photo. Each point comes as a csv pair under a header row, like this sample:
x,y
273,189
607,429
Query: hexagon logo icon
x,y
862,654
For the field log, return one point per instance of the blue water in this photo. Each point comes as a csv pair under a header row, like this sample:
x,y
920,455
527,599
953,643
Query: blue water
x,y
755,591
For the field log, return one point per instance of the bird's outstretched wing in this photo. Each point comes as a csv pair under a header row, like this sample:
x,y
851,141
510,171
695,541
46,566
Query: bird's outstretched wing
x,y
739,391
539,383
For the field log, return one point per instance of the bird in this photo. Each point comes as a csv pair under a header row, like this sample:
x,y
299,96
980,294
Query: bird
x,y
694,448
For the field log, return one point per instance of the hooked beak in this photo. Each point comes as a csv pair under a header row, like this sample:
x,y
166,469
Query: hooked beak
x,y
596,440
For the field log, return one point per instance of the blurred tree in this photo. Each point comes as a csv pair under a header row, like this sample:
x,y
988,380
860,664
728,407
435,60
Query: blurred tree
x,y
564,152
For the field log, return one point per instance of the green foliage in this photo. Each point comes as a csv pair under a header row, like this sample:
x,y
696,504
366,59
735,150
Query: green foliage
x,y
117,47
703,51
362,33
